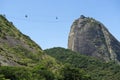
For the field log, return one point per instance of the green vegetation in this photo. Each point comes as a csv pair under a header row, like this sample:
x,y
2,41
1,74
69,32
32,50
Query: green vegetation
x,y
17,48
41,72
72,73
22,59
95,68
23,73
20,56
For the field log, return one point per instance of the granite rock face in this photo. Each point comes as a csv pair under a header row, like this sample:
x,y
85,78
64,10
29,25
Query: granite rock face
x,y
90,37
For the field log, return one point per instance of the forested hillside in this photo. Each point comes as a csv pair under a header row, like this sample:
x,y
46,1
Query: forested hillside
x,y
97,69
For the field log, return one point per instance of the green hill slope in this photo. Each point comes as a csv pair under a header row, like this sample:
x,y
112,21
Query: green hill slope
x,y
95,68
21,58
15,47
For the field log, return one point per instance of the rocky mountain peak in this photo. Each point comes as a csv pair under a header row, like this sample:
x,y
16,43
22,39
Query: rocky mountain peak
x,y
82,17
90,37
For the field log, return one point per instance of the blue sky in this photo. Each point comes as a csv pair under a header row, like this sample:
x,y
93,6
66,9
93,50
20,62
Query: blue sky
x,y
43,27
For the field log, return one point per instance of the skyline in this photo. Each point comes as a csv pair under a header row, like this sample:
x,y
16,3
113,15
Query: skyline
x,y
47,31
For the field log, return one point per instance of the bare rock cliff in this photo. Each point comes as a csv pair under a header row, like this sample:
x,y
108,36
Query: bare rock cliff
x,y
90,37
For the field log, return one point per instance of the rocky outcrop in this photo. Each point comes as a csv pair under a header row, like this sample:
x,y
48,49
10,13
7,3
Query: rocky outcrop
x,y
90,37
